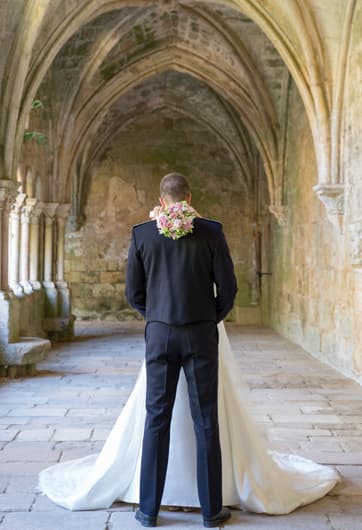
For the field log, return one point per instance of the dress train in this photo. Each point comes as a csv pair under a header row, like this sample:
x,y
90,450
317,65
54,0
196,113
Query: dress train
x,y
254,477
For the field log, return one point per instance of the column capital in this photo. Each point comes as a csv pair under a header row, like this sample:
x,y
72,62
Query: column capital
x,y
18,204
7,192
50,208
63,210
27,209
38,209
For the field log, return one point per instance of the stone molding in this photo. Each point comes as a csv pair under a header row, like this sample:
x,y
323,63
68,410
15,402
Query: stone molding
x,y
332,196
280,212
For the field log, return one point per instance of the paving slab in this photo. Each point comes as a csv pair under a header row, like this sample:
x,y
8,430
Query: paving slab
x,y
346,522
15,502
55,521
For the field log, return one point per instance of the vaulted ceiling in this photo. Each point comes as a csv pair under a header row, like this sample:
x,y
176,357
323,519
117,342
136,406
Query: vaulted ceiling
x,y
228,64
208,62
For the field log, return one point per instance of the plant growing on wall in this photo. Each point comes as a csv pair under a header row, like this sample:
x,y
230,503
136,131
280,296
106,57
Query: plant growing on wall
x,y
37,136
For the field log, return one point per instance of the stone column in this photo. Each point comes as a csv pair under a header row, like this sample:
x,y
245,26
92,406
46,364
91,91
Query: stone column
x,y
34,246
7,196
65,325
25,245
18,355
48,280
48,249
14,252
62,214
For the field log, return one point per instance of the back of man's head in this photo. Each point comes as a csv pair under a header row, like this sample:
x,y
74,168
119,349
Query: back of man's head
x,y
174,187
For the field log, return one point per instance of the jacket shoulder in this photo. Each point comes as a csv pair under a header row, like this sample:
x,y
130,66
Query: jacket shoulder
x,y
143,226
209,223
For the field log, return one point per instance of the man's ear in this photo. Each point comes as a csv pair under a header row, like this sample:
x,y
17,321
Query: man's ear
x,y
162,202
189,197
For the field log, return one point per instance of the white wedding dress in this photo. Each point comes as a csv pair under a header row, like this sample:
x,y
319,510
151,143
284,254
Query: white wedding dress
x,y
254,477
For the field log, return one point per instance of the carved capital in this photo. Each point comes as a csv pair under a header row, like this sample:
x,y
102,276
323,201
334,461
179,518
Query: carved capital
x,y
27,209
356,243
332,196
7,193
50,208
17,206
38,209
63,210
280,213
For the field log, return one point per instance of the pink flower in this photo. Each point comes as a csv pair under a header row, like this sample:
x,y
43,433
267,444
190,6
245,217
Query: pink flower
x,y
175,221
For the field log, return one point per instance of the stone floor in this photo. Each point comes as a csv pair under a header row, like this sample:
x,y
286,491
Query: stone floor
x,y
68,408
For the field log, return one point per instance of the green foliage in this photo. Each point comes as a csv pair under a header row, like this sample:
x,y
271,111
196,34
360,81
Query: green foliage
x,y
36,104
37,136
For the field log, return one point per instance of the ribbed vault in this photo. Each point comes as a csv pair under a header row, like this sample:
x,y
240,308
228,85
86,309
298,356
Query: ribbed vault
x,y
103,55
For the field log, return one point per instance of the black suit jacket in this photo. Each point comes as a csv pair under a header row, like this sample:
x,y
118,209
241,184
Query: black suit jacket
x,y
172,281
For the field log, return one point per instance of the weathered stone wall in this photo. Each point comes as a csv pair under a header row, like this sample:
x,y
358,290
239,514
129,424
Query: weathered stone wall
x,y
313,285
125,188
352,163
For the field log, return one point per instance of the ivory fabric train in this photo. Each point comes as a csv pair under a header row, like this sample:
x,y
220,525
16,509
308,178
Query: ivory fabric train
x,y
254,477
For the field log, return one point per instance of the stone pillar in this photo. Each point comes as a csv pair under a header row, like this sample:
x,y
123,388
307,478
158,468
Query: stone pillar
x,y
65,324
25,245
48,280
48,249
34,246
18,355
7,196
14,251
62,214
59,321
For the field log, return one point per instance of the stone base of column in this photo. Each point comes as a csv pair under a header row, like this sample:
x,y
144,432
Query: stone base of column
x,y
60,329
17,289
18,354
35,285
31,314
59,321
27,287
51,300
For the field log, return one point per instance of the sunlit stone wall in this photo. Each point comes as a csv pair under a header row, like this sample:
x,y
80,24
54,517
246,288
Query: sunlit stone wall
x,y
314,286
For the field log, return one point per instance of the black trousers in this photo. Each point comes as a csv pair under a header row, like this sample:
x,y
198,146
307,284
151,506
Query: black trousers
x,y
194,347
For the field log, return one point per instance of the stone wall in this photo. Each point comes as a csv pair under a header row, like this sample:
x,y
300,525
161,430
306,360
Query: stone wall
x,y
123,190
352,162
313,285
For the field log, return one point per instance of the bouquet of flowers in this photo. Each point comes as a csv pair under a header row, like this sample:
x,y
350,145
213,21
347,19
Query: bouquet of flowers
x,y
174,221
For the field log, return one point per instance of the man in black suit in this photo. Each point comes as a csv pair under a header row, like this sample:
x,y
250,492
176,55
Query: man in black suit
x,y
172,284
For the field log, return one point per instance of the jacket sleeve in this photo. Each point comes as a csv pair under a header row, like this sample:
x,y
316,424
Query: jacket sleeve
x,y
224,277
136,279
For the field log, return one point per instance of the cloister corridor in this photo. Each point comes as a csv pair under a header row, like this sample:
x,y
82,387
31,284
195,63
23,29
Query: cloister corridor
x,y
259,104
